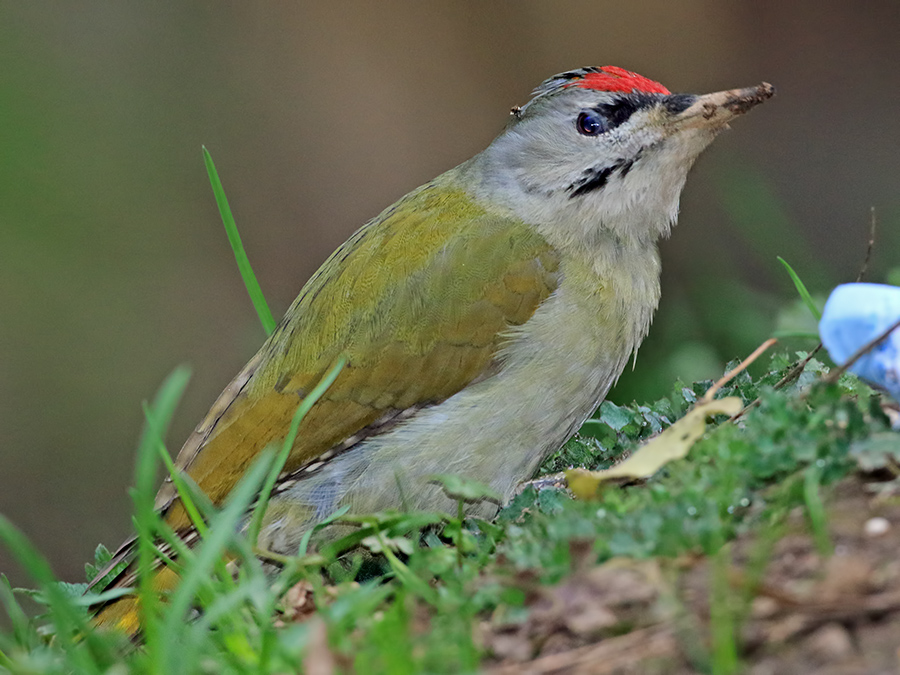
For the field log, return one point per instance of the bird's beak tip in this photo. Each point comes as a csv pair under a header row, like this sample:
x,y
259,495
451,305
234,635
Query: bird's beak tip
x,y
718,108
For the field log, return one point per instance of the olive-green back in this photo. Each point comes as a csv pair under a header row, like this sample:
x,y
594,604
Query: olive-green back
x,y
418,300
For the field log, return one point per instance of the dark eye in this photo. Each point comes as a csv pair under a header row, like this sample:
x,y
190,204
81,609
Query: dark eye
x,y
590,124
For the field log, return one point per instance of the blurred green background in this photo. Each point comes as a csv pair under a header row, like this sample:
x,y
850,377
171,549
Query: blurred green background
x,y
114,266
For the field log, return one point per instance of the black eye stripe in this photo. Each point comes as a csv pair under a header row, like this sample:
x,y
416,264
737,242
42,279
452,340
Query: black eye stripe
x,y
618,111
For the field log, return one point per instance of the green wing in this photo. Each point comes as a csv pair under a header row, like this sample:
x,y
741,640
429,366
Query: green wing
x,y
418,300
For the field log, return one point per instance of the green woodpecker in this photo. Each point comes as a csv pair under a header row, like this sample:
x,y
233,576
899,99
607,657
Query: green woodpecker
x,y
483,316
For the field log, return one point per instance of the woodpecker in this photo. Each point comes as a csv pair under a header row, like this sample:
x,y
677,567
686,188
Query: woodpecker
x,y
482,317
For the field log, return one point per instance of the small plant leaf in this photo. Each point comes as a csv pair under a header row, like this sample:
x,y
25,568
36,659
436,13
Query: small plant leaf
x,y
673,443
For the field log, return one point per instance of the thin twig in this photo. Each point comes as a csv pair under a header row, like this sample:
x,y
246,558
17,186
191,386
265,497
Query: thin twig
x,y
795,372
865,266
798,368
727,377
859,353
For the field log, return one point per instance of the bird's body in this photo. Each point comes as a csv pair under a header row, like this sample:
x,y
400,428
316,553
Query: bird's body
x,y
483,316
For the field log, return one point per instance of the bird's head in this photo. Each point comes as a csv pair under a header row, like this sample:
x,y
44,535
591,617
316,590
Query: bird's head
x,y
604,151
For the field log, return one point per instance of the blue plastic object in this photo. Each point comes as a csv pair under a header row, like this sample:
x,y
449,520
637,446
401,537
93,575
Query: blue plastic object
x,y
854,315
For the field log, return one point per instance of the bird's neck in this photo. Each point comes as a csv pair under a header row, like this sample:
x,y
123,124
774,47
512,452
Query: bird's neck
x,y
625,218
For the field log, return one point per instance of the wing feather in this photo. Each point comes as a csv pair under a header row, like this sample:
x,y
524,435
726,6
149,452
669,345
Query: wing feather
x,y
419,301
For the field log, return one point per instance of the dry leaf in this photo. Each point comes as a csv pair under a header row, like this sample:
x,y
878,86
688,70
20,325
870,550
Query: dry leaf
x,y
673,443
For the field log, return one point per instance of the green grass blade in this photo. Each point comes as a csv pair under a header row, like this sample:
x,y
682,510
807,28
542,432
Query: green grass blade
x,y
17,617
406,576
240,255
722,629
6,662
159,415
222,530
175,474
815,509
228,604
89,599
162,409
304,407
801,289
303,549
68,620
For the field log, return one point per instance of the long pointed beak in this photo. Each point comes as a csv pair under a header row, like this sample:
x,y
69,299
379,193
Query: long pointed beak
x,y
717,109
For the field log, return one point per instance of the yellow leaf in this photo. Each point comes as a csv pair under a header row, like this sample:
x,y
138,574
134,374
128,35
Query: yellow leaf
x,y
673,443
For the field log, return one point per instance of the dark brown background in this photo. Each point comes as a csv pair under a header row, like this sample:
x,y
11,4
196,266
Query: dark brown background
x,y
114,267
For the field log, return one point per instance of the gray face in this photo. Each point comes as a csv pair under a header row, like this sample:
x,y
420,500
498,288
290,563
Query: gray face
x,y
610,129
585,162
